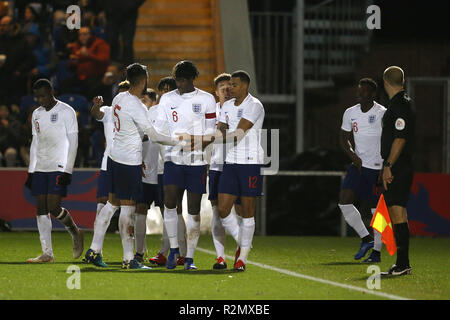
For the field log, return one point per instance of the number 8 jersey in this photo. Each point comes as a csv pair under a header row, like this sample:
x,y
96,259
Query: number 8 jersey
x,y
193,113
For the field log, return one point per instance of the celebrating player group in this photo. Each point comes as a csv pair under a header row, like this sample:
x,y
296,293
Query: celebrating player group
x,y
158,146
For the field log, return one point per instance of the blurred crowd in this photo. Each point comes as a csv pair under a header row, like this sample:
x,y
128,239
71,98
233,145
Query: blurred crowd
x,y
35,42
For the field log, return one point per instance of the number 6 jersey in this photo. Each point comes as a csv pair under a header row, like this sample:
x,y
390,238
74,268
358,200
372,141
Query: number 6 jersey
x,y
193,113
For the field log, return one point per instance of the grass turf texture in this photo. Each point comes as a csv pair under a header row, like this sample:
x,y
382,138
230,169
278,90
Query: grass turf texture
x,y
329,258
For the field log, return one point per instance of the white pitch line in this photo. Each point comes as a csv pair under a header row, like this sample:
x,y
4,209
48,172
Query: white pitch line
x,y
304,276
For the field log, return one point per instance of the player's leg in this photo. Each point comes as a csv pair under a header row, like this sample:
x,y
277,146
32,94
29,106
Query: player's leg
x,y
196,187
140,228
247,230
217,229
347,196
63,215
173,190
228,193
181,231
160,258
238,210
44,224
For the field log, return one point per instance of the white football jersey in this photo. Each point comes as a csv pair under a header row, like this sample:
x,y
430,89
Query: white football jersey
x,y
217,159
108,129
366,127
193,113
249,149
163,128
130,122
150,156
50,129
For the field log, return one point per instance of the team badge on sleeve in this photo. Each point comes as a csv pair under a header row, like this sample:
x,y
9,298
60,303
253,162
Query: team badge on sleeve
x,y
196,107
400,124
54,117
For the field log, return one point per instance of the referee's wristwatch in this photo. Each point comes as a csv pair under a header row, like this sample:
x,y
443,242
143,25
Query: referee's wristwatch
x,y
387,164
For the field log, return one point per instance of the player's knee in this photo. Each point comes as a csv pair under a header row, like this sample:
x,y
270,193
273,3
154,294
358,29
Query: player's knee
x,y
223,211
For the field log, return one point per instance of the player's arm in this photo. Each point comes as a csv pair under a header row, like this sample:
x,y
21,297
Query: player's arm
x,y
95,110
72,138
346,146
33,156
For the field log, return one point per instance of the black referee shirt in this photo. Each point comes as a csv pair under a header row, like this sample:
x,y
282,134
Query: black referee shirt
x,y
398,122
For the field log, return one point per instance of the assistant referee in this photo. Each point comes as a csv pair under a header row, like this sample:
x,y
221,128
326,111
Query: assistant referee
x,y
397,151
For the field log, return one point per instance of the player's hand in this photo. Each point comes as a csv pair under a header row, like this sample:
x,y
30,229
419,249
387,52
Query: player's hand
x,y
144,167
97,101
357,162
29,180
64,179
387,177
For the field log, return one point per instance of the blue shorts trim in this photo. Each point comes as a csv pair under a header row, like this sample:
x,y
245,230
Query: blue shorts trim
x,y
102,184
241,180
190,178
363,183
125,181
45,183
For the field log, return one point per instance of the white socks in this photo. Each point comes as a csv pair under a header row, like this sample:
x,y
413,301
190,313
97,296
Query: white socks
x,y
125,221
171,224
101,225
218,233
44,224
230,224
247,231
377,238
193,234
140,230
181,235
353,218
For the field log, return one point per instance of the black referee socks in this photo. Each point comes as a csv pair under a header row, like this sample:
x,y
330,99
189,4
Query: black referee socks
x,y
401,234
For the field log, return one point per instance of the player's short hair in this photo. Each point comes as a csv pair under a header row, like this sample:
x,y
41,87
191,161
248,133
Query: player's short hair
x,y
242,75
151,94
135,73
394,76
370,83
124,85
222,77
185,69
169,81
42,83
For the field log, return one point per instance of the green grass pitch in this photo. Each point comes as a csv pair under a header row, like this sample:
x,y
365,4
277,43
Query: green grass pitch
x,y
274,276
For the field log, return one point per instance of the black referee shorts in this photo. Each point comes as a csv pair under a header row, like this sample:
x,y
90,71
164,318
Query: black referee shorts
x,y
399,190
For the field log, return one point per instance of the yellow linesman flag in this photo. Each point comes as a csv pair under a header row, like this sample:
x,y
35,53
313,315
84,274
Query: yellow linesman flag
x,y
381,222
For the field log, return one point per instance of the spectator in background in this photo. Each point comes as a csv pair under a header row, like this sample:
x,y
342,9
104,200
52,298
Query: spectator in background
x,y
16,62
42,54
4,9
9,137
109,85
90,58
62,36
31,16
121,19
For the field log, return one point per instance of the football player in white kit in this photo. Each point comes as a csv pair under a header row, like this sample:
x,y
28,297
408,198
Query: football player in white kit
x,y
165,85
125,159
222,85
52,156
104,115
364,121
242,117
190,111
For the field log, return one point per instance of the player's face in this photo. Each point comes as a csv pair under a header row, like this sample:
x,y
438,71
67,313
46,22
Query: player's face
x,y
237,88
43,97
364,93
184,85
223,90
